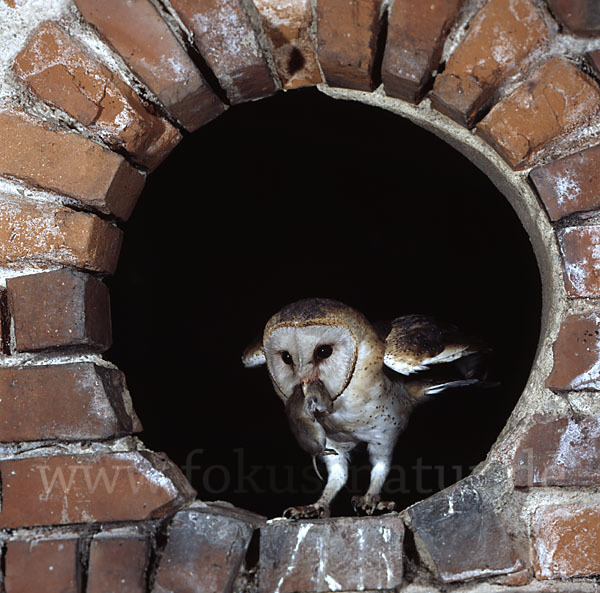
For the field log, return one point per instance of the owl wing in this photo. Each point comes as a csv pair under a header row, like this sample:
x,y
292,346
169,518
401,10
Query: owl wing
x,y
254,355
414,342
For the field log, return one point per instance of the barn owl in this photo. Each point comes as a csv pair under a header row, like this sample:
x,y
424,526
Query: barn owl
x,y
344,382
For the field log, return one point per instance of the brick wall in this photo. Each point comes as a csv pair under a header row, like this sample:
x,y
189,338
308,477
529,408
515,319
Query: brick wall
x,y
94,96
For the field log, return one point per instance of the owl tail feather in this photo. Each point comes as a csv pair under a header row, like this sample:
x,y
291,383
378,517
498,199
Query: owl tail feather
x,y
420,389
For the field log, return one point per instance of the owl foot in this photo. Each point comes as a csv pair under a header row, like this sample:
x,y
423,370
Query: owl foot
x,y
310,511
371,505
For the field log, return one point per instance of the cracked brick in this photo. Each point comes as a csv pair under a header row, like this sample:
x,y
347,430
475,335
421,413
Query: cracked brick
x,y
65,74
500,39
554,101
137,32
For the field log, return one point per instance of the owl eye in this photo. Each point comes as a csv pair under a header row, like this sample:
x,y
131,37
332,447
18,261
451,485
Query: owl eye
x,y
322,352
287,357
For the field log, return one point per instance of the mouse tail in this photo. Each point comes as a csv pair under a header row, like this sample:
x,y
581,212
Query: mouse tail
x,y
316,468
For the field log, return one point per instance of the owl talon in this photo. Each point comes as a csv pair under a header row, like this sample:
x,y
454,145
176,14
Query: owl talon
x,y
371,505
311,511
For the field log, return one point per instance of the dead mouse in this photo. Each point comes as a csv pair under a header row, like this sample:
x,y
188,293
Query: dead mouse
x,y
302,409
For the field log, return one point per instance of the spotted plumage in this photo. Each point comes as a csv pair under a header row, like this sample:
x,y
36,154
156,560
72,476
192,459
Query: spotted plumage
x,y
327,363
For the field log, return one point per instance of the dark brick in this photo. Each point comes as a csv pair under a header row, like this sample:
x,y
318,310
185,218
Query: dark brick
x,y
137,31
462,535
594,60
347,37
39,564
559,451
554,101
566,541
64,73
224,32
577,355
69,164
205,549
95,488
580,17
570,184
342,554
415,40
501,37
118,561
77,401
579,246
63,308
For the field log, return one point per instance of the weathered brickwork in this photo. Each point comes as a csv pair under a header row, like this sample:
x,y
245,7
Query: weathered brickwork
x,y
570,184
118,561
47,235
61,72
559,451
84,507
579,245
224,34
555,100
500,38
566,542
66,489
348,35
415,39
288,26
71,402
580,17
68,164
576,355
143,39
58,309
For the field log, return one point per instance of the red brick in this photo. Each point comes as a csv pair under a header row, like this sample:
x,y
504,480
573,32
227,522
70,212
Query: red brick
x,y
570,184
415,40
36,233
580,17
76,401
68,164
347,38
566,541
205,549
94,488
117,562
500,39
342,554
138,33
288,27
577,355
48,565
4,324
554,101
62,308
224,33
63,73
516,579
559,451
579,247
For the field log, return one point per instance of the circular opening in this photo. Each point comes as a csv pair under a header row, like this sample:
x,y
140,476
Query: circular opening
x,y
298,196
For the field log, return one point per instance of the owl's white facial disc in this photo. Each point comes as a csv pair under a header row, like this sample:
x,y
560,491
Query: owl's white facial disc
x,y
303,354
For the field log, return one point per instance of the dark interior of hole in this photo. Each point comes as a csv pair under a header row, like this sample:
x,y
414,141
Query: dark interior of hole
x,y
296,196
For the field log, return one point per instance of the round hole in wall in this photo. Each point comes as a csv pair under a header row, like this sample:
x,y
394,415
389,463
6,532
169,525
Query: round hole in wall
x,y
301,195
